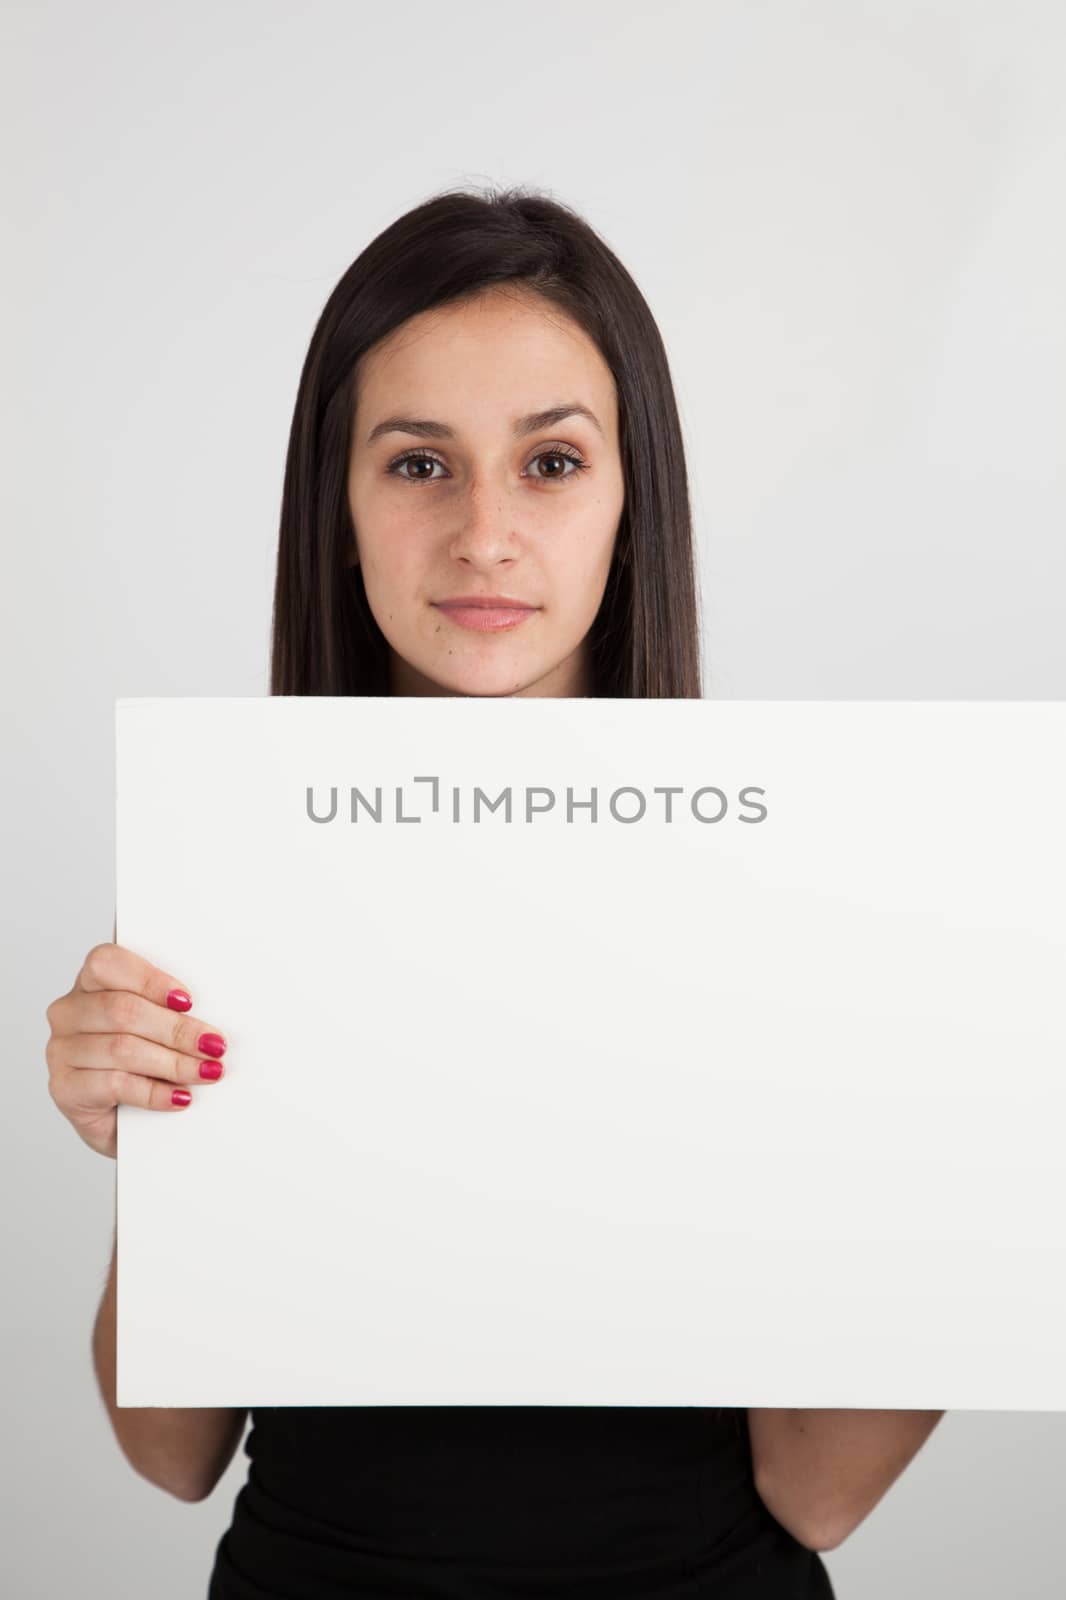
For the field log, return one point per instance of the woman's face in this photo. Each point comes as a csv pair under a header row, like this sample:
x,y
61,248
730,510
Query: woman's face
x,y
490,500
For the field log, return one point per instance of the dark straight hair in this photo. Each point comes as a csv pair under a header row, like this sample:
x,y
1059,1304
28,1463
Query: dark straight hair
x,y
645,639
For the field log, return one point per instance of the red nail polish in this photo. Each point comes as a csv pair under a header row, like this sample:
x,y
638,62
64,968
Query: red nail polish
x,y
181,1097
211,1044
178,1000
211,1069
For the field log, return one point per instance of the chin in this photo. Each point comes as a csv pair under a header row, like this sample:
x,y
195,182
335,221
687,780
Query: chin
x,y
485,682
489,686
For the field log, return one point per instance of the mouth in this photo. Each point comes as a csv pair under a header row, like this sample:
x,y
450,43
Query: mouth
x,y
486,613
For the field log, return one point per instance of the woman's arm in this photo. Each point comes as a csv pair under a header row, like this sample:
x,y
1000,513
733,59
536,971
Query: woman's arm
x,y
821,1472
184,1450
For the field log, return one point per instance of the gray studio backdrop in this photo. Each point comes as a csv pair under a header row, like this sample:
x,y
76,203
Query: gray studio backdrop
x,y
847,218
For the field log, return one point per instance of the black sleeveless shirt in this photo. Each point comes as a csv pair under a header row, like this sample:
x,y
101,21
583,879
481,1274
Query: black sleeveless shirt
x,y
503,1502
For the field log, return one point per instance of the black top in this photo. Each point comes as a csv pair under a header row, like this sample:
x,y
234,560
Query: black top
x,y
503,1502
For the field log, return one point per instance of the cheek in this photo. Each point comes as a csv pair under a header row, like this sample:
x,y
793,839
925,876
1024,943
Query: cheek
x,y
391,548
589,559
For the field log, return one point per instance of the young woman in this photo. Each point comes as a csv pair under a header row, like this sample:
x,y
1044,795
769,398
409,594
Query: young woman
x,y
485,493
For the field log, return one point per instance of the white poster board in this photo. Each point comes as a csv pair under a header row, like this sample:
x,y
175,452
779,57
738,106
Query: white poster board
x,y
645,1108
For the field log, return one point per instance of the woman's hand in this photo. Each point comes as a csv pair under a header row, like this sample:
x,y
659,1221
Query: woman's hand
x,y
122,1036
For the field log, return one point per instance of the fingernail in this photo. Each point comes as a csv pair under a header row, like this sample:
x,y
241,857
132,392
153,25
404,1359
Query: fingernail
x,y
211,1069
181,1097
178,1000
211,1044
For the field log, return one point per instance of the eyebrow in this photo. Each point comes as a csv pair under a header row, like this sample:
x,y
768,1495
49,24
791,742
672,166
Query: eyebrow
x,y
426,429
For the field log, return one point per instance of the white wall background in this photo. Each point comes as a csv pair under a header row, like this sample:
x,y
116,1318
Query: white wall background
x,y
847,217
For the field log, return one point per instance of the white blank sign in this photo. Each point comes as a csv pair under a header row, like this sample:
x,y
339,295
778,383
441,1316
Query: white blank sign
x,y
748,1088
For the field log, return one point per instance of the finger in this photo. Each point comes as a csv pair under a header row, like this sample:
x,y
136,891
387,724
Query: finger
x,y
102,1052
87,1094
113,966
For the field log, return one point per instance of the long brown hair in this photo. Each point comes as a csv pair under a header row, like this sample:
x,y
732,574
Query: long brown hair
x,y
645,640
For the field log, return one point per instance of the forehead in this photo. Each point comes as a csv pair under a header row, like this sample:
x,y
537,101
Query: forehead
x,y
505,348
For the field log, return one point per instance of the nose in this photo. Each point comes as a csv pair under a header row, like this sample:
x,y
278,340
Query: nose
x,y
486,535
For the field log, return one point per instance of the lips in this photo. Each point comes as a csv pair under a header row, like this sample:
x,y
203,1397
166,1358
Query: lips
x,y
495,602
485,613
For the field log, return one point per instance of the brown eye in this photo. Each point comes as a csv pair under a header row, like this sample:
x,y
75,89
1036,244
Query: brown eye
x,y
556,456
396,467
560,454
